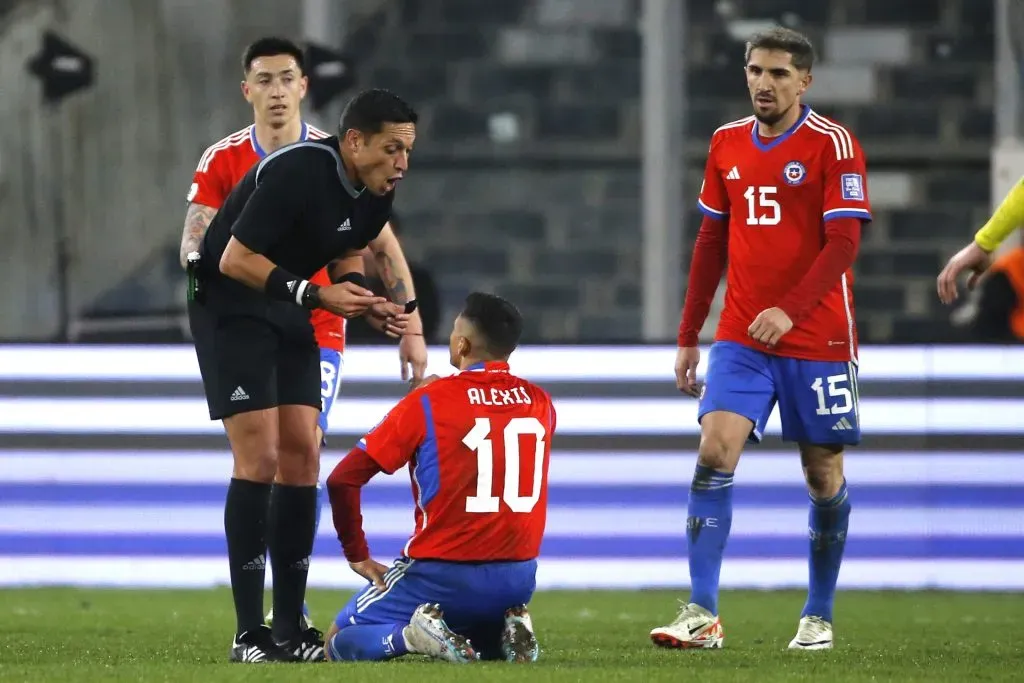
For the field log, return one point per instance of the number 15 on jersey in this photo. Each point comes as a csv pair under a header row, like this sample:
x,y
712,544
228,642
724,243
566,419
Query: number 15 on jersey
x,y
762,206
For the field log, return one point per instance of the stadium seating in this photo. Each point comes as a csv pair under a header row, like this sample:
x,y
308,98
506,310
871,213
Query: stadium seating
x,y
528,162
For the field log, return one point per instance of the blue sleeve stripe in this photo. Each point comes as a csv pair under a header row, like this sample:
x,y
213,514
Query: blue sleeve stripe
x,y
862,214
709,212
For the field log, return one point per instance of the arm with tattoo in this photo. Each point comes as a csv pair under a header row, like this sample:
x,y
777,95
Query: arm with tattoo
x,y
392,267
197,220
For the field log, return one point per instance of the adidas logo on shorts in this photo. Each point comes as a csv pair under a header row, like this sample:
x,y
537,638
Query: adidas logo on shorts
x,y
239,395
842,425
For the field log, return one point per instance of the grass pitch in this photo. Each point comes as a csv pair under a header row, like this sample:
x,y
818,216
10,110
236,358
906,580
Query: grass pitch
x,y
152,636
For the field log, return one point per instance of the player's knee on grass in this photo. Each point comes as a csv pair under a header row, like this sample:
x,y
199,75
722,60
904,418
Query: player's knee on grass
x,y
823,469
253,438
722,436
331,631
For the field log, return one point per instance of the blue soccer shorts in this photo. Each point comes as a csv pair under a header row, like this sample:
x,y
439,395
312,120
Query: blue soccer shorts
x,y
331,364
472,595
818,400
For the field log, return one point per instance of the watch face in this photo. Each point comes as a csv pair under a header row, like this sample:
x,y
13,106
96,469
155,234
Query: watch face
x,y
410,306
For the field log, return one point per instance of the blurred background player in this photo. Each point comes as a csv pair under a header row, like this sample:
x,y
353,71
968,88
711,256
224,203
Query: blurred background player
x,y
994,311
477,444
999,316
275,84
784,197
976,257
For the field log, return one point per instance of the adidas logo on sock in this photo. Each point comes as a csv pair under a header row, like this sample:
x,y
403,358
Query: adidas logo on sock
x,y
239,395
302,565
256,564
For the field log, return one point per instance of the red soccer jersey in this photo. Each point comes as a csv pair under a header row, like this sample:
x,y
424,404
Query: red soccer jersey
x,y
220,168
478,445
777,193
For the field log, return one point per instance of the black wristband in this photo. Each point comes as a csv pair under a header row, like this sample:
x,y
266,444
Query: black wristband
x,y
355,277
311,297
284,286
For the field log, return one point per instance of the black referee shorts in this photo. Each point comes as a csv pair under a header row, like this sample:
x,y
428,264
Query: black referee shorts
x,y
253,362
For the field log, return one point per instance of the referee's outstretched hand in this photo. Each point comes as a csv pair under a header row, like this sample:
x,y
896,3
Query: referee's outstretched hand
x,y
348,299
388,318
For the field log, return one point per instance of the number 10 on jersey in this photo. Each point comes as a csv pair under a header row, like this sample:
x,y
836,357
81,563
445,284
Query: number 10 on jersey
x,y
478,440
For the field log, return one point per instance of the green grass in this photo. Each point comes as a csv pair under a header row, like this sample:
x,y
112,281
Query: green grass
x,y
99,635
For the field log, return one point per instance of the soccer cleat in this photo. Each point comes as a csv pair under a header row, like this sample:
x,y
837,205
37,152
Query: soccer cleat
x,y
814,633
694,628
518,641
258,646
428,634
304,623
308,647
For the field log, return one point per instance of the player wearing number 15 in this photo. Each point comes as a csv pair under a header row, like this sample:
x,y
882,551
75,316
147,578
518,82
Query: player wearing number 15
x,y
784,198
477,444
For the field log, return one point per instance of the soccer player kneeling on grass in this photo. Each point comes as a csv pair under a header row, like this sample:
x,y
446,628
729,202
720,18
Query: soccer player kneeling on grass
x,y
477,444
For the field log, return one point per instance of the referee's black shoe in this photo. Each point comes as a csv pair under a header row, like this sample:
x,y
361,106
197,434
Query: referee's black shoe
x,y
307,647
257,647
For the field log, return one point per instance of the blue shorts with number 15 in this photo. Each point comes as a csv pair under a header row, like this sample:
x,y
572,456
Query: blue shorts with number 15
x,y
818,400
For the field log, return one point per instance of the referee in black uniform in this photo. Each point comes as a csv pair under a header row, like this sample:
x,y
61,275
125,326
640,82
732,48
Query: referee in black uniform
x,y
305,206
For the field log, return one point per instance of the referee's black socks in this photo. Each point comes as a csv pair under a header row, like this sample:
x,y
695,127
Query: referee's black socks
x,y
291,533
245,525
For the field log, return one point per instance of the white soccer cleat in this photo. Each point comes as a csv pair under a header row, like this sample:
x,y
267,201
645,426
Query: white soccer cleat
x,y
518,641
814,633
428,634
694,628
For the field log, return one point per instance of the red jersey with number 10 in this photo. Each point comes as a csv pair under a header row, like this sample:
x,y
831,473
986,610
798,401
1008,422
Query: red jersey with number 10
x,y
777,193
220,168
477,444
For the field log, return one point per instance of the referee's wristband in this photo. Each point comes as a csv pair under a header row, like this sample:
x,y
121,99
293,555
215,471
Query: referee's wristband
x,y
283,286
355,277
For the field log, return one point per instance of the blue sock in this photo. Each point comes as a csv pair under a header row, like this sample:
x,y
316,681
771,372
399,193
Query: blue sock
x,y
828,521
709,518
368,643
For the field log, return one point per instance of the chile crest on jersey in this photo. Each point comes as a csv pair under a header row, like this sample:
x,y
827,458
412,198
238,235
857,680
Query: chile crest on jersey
x,y
794,173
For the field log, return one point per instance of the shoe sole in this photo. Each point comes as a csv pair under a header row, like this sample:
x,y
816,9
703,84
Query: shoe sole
x,y
669,642
811,646
523,647
456,649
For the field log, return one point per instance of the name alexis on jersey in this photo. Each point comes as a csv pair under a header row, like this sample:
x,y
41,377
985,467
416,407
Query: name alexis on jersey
x,y
498,397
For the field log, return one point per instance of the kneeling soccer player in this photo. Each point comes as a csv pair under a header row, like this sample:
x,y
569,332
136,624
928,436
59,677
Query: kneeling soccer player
x,y
474,442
